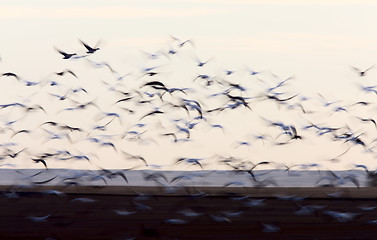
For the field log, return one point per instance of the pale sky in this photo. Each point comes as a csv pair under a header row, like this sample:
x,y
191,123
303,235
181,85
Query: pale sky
x,y
315,41
302,38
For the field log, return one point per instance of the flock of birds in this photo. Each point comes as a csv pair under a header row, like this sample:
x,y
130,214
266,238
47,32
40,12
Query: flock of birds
x,y
176,105
156,118
190,212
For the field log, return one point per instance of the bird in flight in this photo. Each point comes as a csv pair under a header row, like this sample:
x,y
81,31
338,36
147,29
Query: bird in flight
x,y
10,74
89,48
66,55
64,72
362,72
201,63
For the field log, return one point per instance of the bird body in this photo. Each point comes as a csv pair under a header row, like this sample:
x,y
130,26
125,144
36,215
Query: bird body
x,y
66,55
90,50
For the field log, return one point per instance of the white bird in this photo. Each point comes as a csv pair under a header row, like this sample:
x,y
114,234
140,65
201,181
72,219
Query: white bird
x,y
232,214
270,228
341,216
255,203
84,200
308,209
220,218
189,213
39,218
367,208
53,192
175,221
123,212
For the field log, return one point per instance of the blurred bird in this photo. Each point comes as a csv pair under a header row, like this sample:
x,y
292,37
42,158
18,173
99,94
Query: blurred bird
x,y
90,50
66,55
362,72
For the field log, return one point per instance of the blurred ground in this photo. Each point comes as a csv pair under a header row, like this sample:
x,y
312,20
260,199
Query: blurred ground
x,y
45,215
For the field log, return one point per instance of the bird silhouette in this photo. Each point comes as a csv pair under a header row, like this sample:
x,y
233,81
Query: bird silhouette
x,y
90,50
66,55
362,72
